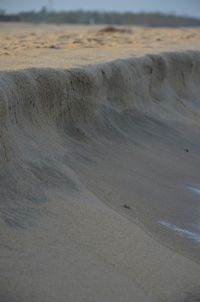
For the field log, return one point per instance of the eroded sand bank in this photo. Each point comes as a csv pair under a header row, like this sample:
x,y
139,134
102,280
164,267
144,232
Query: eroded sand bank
x,y
97,166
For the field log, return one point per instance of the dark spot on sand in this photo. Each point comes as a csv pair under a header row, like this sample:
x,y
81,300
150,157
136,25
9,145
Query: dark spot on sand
x,y
126,207
186,150
53,46
112,29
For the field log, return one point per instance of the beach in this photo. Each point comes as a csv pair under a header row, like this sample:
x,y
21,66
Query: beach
x,y
99,156
28,45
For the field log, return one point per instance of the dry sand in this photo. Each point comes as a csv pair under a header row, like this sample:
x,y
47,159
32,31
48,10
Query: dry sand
x,y
99,165
26,45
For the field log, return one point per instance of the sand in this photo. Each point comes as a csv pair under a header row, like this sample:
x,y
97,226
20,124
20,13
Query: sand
x,y
99,164
27,45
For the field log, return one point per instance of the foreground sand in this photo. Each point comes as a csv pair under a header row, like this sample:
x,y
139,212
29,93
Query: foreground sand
x,y
93,159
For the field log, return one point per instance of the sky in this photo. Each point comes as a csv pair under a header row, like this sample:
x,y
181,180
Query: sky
x,y
179,7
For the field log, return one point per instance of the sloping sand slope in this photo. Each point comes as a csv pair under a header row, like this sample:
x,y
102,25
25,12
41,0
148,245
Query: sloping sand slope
x,y
92,161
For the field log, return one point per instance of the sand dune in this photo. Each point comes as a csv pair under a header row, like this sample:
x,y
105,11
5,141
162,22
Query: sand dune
x,y
99,180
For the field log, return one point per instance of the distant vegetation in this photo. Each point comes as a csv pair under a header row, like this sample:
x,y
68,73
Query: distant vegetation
x,y
95,17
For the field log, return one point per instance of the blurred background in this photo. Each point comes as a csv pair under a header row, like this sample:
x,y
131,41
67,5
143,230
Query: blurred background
x,y
131,12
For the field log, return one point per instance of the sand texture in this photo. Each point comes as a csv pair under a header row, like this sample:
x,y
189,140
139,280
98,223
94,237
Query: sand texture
x,y
27,45
99,164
